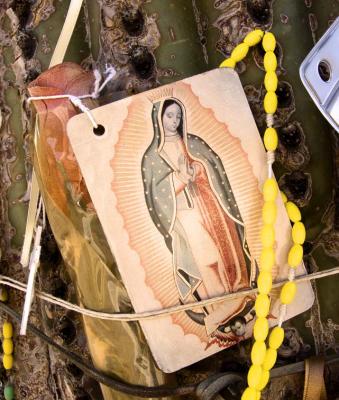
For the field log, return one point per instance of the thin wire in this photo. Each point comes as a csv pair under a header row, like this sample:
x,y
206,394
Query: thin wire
x,y
74,99
129,317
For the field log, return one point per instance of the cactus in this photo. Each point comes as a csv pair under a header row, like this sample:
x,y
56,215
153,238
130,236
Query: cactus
x,y
152,43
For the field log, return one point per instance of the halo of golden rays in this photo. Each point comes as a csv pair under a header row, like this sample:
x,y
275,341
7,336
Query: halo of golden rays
x,y
144,238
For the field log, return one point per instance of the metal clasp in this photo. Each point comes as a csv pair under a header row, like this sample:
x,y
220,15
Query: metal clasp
x,y
319,73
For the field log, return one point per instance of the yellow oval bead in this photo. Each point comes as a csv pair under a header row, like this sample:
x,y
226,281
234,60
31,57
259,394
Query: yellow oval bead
x,y
276,337
270,189
254,376
270,61
240,52
298,233
270,102
265,377
267,259
229,62
270,359
258,395
7,330
7,361
271,81
269,42
262,305
249,394
3,294
264,282
258,353
295,255
284,197
7,346
267,236
269,212
293,212
260,329
288,292
270,139
254,37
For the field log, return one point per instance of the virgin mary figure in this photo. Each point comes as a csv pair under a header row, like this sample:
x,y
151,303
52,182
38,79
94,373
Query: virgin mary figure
x,y
190,201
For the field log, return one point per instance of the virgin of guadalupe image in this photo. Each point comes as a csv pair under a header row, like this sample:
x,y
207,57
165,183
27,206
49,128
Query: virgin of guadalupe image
x,y
191,203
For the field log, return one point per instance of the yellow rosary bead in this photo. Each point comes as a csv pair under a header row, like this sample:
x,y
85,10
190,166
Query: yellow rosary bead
x,y
271,81
240,52
270,102
298,233
270,359
229,62
284,197
249,394
267,259
8,361
262,305
270,189
3,294
264,282
264,359
269,212
270,139
288,292
258,353
254,37
293,212
295,255
254,376
267,236
270,62
269,42
7,330
276,337
265,377
7,346
260,329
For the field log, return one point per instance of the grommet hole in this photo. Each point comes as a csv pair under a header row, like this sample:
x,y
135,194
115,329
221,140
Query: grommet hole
x,y
324,70
99,130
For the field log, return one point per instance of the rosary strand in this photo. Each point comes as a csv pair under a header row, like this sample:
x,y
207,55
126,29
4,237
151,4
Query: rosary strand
x,y
7,348
263,357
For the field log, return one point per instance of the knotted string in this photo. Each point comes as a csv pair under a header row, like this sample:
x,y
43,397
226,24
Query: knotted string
x,y
76,100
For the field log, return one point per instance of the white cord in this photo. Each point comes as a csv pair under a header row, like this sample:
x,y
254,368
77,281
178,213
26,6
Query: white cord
x,y
78,103
128,317
270,161
282,314
269,120
76,100
110,72
291,274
